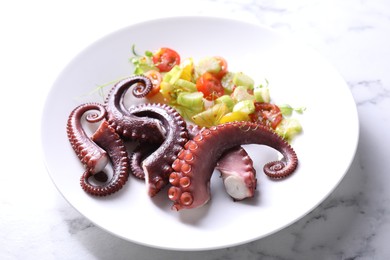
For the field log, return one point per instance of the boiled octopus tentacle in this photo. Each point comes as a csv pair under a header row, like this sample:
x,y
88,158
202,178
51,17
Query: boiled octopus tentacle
x,y
127,125
140,153
193,130
196,162
106,137
238,173
236,168
157,166
90,154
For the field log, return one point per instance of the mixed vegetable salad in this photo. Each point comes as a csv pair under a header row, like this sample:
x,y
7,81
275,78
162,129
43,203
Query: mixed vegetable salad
x,y
207,93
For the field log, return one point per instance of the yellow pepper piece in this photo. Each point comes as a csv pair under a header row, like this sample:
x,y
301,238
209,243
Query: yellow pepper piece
x,y
234,116
187,69
211,116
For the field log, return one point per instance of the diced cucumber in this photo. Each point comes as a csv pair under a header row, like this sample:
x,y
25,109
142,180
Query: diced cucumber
x,y
208,64
167,90
190,104
289,128
245,106
142,64
192,100
187,113
240,93
241,79
227,82
172,75
171,91
287,110
227,100
262,94
185,85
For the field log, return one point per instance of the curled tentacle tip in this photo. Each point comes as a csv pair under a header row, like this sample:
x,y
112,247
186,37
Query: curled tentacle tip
x,y
278,169
101,177
143,88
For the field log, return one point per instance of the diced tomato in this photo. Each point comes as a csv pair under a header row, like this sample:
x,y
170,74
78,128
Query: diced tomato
x,y
224,67
210,86
267,114
156,79
165,59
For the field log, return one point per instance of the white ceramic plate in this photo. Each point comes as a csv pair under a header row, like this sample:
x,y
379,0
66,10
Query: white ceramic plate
x,y
297,76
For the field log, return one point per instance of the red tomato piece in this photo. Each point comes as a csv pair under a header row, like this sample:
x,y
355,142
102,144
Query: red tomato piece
x,y
156,79
165,59
267,114
210,86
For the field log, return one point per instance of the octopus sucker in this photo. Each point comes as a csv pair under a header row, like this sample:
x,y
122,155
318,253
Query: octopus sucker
x,y
93,157
128,125
106,137
208,150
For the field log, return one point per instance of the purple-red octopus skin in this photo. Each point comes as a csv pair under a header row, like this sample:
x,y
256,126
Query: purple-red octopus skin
x,y
126,124
106,137
196,162
236,168
158,165
238,173
89,153
140,153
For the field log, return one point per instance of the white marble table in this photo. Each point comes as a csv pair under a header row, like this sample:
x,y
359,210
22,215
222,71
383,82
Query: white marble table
x,y
38,38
